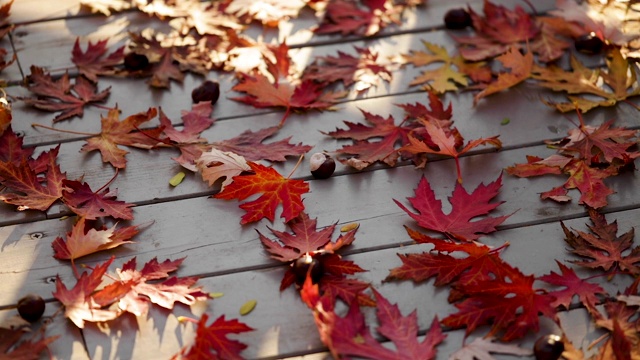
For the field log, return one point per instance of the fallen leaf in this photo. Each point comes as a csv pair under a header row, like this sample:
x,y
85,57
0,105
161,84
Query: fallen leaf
x,y
346,17
248,307
26,189
92,62
91,205
177,179
268,12
60,95
212,342
251,146
602,248
520,67
587,292
84,239
123,132
11,348
458,223
215,164
275,190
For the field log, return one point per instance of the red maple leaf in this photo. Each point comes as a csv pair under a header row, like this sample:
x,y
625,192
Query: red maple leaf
x,y
496,31
364,70
11,149
479,264
602,248
346,17
280,90
60,95
350,336
188,139
92,62
92,205
11,348
445,141
508,302
275,190
250,145
27,189
212,342
304,239
465,207
365,151
586,291
115,132
137,288
85,239
79,304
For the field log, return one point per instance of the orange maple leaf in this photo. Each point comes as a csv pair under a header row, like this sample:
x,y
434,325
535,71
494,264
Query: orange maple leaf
x,y
82,241
115,132
520,69
275,190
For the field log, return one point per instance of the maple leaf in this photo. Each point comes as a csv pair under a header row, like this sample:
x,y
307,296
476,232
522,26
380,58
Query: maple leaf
x,y
602,248
188,140
79,305
520,69
204,18
481,348
215,164
447,269
509,302
268,12
443,142
363,70
12,149
350,335
144,286
60,95
304,239
622,323
275,190
162,56
620,77
499,29
465,207
251,146
5,115
116,132
262,93
212,342
27,189
11,348
83,240
346,17
586,291
92,205
445,78
603,144
91,62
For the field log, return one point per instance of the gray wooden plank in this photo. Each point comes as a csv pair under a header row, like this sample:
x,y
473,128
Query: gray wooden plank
x,y
70,344
205,229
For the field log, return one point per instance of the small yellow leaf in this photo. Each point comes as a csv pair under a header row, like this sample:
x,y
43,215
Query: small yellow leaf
x,y
248,307
349,227
177,179
215,295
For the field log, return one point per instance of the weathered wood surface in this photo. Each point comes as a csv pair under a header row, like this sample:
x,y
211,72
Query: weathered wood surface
x,y
228,256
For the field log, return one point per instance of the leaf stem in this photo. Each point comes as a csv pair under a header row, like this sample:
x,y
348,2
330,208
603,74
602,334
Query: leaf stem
x,y
110,181
284,117
631,104
296,167
75,270
101,106
34,125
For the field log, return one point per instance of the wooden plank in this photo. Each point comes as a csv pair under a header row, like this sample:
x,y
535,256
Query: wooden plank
x,y
70,344
205,229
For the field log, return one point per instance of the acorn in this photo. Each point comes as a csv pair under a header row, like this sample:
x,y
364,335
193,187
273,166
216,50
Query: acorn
x,y
322,165
548,347
589,44
135,62
307,264
207,91
31,307
456,19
